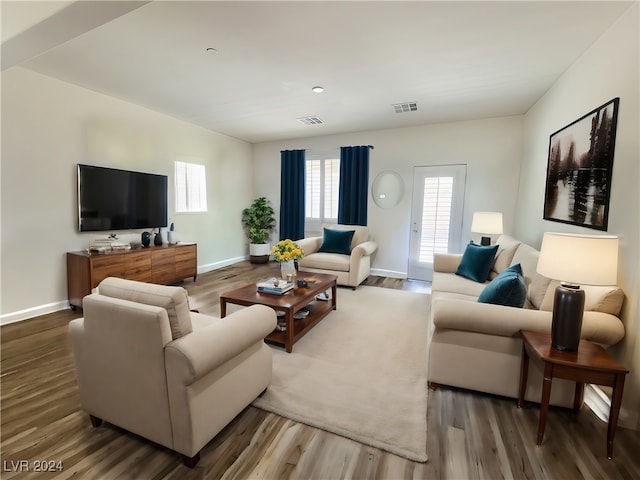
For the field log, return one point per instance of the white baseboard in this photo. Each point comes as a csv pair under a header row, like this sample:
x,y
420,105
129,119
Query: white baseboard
x,y
224,263
600,404
597,401
27,313
388,273
31,312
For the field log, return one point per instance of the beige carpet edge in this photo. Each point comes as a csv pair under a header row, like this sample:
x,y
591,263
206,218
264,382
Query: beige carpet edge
x,y
394,449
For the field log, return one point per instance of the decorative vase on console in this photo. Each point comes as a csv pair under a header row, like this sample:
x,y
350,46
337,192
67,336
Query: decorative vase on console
x,y
157,240
146,239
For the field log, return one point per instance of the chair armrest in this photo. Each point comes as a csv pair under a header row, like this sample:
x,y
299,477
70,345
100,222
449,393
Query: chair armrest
x,y
364,249
196,354
446,262
309,245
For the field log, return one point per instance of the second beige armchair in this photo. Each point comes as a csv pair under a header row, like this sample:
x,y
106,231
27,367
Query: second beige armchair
x,y
147,364
337,254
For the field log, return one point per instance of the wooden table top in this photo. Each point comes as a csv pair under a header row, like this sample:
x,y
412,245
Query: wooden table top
x,y
589,355
249,295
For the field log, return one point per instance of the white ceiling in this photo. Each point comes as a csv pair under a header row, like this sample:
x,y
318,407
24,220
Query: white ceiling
x,y
457,60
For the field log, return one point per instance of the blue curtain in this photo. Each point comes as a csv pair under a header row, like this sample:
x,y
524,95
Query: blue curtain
x,y
354,184
292,181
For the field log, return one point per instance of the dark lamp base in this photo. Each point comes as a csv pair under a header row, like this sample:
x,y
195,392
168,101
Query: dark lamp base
x,y
485,241
566,325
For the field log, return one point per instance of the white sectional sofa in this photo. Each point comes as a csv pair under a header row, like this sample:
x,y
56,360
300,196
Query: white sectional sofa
x,y
477,346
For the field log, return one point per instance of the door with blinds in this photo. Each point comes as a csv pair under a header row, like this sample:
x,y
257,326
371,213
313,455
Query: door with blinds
x,y
436,216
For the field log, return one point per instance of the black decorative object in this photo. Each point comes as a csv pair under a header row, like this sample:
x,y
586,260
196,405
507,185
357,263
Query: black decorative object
x,y
146,239
579,169
566,324
157,240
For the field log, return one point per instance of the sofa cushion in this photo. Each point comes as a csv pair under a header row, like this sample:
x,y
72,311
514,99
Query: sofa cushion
x,y
326,261
597,298
476,262
450,283
506,249
336,241
173,299
507,289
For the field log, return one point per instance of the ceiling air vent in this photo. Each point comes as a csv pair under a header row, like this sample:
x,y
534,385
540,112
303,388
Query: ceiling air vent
x,y
405,107
312,120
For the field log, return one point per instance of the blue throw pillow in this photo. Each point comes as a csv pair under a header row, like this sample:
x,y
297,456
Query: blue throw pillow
x,y
508,288
476,262
336,241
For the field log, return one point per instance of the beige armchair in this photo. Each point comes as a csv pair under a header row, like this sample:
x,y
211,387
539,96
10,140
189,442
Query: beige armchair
x,y
351,267
147,364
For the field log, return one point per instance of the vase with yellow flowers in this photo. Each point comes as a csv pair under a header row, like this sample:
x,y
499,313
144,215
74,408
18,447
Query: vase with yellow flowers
x,y
286,253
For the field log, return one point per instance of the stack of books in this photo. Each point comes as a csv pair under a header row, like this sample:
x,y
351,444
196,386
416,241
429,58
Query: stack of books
x,y
274,286
108,245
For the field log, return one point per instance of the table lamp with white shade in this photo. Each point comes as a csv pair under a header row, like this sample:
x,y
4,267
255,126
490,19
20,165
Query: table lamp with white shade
x,y
486,223
575,260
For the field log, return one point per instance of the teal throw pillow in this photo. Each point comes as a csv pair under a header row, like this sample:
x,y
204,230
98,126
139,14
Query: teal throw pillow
x,y
508,288
476,262
336,241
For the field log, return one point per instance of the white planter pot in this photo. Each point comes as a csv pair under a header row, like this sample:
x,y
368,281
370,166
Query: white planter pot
x,y
259,252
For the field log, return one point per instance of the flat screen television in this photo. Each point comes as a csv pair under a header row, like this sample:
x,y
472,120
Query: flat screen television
x,y
111,199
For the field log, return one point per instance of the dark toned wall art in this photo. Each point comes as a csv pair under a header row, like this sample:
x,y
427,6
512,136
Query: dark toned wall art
x,y
579,169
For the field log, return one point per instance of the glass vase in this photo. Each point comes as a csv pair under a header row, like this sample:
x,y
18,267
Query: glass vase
x,y
288,268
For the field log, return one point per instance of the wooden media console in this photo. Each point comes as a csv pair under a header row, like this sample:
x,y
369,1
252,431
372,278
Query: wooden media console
x,y
155,264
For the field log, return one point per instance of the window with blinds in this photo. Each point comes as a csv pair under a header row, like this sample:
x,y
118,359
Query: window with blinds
x,y
436,217
321,192
190,187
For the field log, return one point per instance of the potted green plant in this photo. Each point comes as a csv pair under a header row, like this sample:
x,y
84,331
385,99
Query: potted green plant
x,y
258,221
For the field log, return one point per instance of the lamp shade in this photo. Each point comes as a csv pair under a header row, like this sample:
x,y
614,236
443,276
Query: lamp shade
x,y
487,222
579,259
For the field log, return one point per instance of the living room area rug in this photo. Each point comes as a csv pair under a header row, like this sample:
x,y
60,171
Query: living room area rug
x,y
361,372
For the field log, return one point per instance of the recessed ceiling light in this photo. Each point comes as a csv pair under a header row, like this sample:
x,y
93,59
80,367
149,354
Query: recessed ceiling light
x,y
317,89
311,120
405,107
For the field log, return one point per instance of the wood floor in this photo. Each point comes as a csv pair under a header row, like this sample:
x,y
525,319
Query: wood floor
x,y
469,435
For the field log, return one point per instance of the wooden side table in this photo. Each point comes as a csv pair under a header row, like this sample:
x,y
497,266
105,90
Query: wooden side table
x,y
589,364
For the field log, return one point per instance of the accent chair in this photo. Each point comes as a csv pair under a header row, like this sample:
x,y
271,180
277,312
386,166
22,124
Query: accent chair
x,y
149,365
338,253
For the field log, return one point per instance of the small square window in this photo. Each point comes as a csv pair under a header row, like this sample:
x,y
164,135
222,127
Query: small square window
x,y
191,187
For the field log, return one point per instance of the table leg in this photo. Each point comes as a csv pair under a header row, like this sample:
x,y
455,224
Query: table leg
x,y
524,373
289,333
616,401
578,396
334,295
544,403
223,308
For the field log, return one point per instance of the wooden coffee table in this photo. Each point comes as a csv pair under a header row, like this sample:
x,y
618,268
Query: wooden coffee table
x,y
290,303
589,364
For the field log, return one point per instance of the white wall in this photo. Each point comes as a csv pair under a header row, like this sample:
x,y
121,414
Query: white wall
x,y
49,126
490,148
608,69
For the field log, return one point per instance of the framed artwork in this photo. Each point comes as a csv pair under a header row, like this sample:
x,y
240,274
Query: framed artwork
x,y
579,169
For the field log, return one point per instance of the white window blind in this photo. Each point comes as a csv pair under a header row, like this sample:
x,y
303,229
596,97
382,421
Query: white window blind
x,y
321,192
436,214
191,187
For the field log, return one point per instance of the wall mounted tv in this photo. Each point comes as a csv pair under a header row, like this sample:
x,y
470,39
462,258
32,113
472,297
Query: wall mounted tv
x,y
111,199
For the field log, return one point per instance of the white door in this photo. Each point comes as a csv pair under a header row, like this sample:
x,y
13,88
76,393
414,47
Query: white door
x,y
436,216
